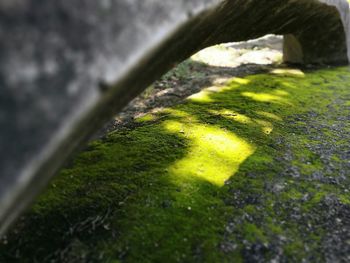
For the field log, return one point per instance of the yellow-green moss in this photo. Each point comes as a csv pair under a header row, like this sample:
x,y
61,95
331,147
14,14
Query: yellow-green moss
x,y
166,191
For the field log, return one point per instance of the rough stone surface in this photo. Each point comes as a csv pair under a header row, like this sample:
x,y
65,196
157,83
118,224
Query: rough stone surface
x,y
66,66
300,45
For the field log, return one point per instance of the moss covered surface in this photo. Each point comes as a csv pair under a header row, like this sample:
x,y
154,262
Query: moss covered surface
x,y
253,170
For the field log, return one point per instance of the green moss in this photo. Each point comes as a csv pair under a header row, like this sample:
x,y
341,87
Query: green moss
x,y
168,189
253,233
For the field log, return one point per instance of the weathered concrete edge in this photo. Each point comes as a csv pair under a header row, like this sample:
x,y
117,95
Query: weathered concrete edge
x,y
343,7
297,47
72,135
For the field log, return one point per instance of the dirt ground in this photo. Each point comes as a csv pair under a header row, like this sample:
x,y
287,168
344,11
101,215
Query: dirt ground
x,y
227,60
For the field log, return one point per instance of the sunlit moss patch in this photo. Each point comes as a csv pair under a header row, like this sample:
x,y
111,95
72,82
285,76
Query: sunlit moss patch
x,y
214,154
244,170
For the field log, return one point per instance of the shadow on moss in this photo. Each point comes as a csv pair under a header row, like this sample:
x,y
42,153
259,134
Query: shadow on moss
x,y
220,177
